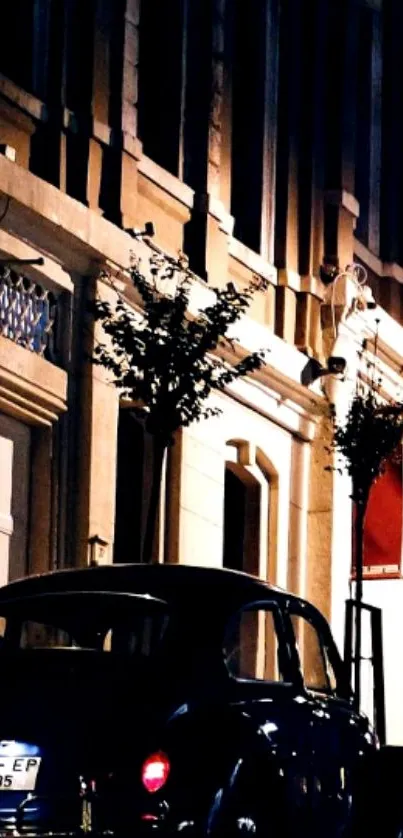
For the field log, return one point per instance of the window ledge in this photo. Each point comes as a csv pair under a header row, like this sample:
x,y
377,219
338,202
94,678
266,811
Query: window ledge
x,y
26,101
31,389
169,183
252,260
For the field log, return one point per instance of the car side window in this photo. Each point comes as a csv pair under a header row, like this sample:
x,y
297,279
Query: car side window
x,y
252,646
316,668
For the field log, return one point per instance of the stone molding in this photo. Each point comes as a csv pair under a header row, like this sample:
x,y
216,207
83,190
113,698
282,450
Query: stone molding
x,y
252,260
26,101
169,183
31,389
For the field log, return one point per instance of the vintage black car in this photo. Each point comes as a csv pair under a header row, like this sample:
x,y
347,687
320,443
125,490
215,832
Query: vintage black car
x,y
175,700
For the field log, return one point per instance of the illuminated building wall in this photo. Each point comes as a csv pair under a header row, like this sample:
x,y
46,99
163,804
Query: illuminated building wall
x,y
262,139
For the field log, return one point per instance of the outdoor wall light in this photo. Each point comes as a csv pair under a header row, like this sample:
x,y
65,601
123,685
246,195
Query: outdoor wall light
x,y
356,274
97,550
148,232
313,369
329,271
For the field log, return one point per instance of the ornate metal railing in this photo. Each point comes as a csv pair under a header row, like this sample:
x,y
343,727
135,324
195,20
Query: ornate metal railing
x,y
28,313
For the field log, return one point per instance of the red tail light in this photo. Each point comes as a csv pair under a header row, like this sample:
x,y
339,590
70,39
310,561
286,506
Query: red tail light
x,y
155,771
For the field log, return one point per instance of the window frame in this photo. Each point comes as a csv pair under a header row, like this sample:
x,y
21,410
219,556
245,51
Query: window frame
x,y
13,610
342,690
290,674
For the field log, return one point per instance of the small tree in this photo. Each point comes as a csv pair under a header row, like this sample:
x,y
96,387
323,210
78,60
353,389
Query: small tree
x,y
167,361
366,440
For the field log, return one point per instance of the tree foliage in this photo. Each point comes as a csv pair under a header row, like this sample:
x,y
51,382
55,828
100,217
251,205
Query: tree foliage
x,y
368,437
162,358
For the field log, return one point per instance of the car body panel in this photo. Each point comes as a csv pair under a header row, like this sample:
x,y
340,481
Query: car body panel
x,y
244,752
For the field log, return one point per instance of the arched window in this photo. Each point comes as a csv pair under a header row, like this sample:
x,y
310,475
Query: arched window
x,y
250,511
241,519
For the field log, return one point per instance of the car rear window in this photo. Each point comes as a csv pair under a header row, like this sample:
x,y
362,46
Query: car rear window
x,y
102,622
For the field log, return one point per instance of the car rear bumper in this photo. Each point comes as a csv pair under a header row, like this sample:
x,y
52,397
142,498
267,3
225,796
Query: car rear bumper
x,y
92,817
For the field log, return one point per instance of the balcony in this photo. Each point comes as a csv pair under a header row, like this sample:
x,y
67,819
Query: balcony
x,y
29,314
33,333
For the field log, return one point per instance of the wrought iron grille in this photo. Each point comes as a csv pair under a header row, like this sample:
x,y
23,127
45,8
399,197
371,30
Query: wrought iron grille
x,y
28,313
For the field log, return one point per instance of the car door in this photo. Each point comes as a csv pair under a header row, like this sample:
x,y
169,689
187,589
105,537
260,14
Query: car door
x,y
340,737
266,685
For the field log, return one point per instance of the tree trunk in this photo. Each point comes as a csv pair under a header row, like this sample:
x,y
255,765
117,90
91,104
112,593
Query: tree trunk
x,y
359,556
159,447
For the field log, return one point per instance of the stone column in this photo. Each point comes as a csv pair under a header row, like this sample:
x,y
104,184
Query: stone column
x,y
287,192
96,450
206,107
341,207
299,504
100,130
119,170
320,521
40,541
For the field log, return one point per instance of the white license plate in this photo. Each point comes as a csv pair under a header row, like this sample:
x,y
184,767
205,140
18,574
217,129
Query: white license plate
x,y
18,773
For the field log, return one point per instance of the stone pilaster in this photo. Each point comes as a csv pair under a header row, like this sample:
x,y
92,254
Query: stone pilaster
x,y
119,169
219,221
211,224
97,451
320,521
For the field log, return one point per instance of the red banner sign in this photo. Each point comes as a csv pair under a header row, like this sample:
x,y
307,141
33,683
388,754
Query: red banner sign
x,y
383,526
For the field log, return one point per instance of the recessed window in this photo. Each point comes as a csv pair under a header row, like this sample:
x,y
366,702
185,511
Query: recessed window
x,y
24,44
160,81
254,97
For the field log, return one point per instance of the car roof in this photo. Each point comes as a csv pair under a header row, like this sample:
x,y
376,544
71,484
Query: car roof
x,y
176,584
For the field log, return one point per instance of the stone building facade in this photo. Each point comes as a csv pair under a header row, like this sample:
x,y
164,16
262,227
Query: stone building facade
x,y
261,139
